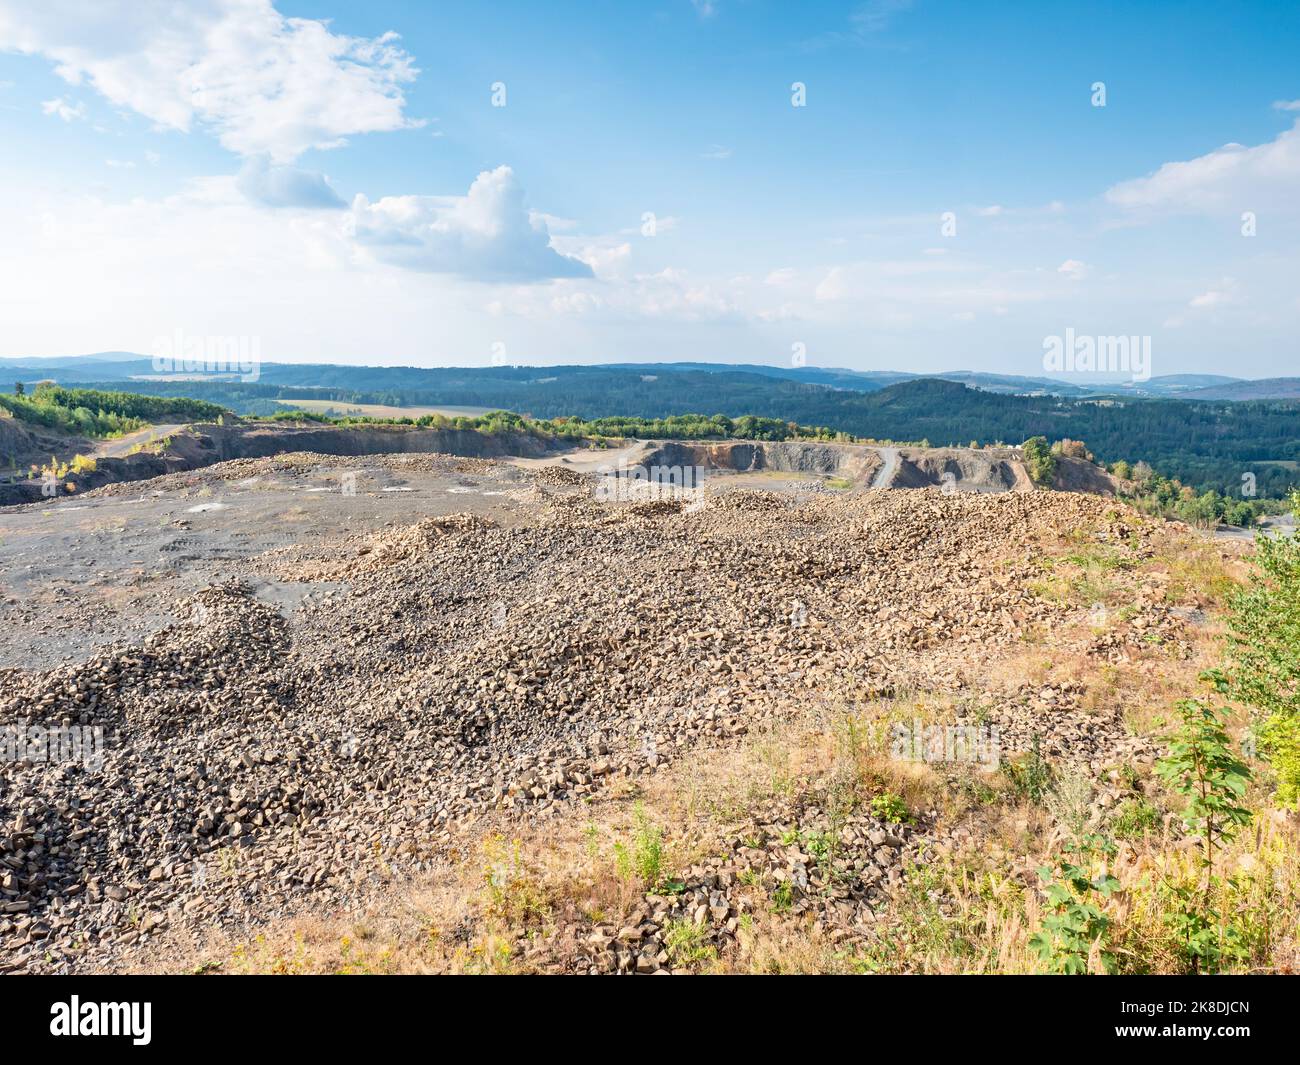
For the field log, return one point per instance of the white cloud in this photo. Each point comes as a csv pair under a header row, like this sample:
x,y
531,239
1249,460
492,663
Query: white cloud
x,y
1287,105
486,235
671,293
1233,177
63,109
119,164
992,211
1073,269
285,186
266,84
833,286
876,15
1223,293
909,292
717,151
553,222
609,259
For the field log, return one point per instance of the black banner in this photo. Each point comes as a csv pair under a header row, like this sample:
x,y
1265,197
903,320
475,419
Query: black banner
x,y
143,1014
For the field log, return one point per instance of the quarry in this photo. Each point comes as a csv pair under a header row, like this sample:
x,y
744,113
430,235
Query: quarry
x,y
320,676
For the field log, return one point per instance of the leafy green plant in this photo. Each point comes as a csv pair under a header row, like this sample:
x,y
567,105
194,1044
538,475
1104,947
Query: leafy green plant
x,y
1134,818
688,943
890,807
1075,925
1031,774
1202,767
1264,655
645,859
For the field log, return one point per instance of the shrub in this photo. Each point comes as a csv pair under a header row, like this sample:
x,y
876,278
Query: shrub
x,y
512,894
1039,461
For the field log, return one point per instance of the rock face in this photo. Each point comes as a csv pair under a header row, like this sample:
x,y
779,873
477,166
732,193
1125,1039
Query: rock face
x,y
854,461
255,758
965,469
197,446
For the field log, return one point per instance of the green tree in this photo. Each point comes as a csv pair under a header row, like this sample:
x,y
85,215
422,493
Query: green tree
x,y
1264,654
1039,461
1202,767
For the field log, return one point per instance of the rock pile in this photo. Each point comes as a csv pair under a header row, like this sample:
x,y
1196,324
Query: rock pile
x,y
254,759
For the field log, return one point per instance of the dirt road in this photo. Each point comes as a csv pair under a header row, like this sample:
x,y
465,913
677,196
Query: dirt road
x,y
124,445
885,475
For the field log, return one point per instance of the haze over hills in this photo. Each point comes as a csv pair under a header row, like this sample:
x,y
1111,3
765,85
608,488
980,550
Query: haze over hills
x,y
124,366
1266,388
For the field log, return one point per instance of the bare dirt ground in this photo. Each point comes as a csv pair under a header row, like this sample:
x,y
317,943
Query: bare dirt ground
x,y
85,571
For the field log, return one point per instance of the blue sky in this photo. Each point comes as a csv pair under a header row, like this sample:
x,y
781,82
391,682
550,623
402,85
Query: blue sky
x,y
334,179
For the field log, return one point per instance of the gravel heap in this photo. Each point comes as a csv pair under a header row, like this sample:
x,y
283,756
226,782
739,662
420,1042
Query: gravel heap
x,y
255,761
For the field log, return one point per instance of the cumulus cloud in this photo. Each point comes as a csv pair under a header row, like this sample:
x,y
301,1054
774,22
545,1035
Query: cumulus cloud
x,y
265,84
486,235
1233,177
609,258
1074,269
285,186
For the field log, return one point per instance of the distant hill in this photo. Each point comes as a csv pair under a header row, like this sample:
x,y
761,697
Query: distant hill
x,y
1182,383
121,366
1236,391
